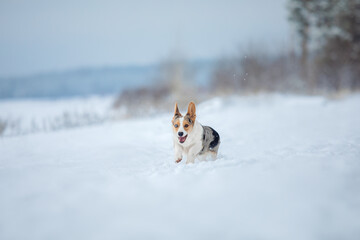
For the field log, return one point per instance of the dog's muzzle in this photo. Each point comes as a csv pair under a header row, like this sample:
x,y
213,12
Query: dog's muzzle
x,y
182,139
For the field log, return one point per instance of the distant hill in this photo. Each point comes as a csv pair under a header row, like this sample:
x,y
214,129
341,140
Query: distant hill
x,y
77,82
89,81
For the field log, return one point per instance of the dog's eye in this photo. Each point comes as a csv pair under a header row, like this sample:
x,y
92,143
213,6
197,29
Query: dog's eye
x,y
186,125
176,125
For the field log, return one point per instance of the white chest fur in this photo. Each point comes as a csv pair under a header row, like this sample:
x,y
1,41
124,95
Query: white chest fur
x,y
192,146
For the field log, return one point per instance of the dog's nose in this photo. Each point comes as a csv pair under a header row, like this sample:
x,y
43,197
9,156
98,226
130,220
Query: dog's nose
x,y
180,133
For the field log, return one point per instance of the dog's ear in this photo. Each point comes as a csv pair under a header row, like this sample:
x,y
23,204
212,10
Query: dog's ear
x,y
191,111
177,112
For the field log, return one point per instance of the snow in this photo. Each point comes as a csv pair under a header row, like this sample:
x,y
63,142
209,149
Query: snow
x,y
32,115
288,169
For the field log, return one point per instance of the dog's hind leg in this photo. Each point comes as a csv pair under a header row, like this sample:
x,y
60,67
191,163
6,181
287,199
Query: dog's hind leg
x,y
213,155
202,157
213,152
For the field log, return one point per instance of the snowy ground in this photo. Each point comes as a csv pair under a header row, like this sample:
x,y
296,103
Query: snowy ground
x,y
31,116
289,168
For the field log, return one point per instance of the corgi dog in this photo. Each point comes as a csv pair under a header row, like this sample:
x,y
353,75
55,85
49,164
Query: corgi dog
x,y
193,139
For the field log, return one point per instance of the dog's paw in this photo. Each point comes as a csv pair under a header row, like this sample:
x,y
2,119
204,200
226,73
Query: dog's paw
x,y
179,160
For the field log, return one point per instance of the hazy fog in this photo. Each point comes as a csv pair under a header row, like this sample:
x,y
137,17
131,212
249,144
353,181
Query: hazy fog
x,y
38,36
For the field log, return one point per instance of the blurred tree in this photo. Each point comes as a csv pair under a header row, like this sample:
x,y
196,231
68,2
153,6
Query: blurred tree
x,y
339,55
300,15
172,83
175,73
224,78
337,25
3,125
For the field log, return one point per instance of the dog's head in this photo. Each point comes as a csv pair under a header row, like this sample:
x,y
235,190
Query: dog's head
x,y
183,125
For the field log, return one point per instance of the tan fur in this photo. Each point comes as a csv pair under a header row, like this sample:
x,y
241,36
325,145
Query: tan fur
x,y
176,111
176,122
189,125
176,117
191,111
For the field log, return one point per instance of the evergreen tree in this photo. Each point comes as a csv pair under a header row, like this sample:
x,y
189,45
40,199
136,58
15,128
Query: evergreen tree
x,y
336,23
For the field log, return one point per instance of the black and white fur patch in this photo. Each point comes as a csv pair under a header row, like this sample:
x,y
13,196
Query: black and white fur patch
x,y
210,140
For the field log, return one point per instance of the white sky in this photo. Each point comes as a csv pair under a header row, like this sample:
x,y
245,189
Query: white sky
x,y
38,36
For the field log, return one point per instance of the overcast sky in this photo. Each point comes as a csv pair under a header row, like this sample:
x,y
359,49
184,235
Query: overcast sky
x,y
43,36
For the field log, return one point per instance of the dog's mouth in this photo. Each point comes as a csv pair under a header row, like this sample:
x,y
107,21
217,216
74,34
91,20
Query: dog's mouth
x,y
182,139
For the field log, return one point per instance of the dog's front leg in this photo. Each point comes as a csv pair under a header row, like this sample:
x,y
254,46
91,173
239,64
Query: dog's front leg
x,y
193,152
178,153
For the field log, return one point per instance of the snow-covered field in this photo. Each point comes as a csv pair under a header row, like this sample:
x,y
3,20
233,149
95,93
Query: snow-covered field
x,y
31,116
289,168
